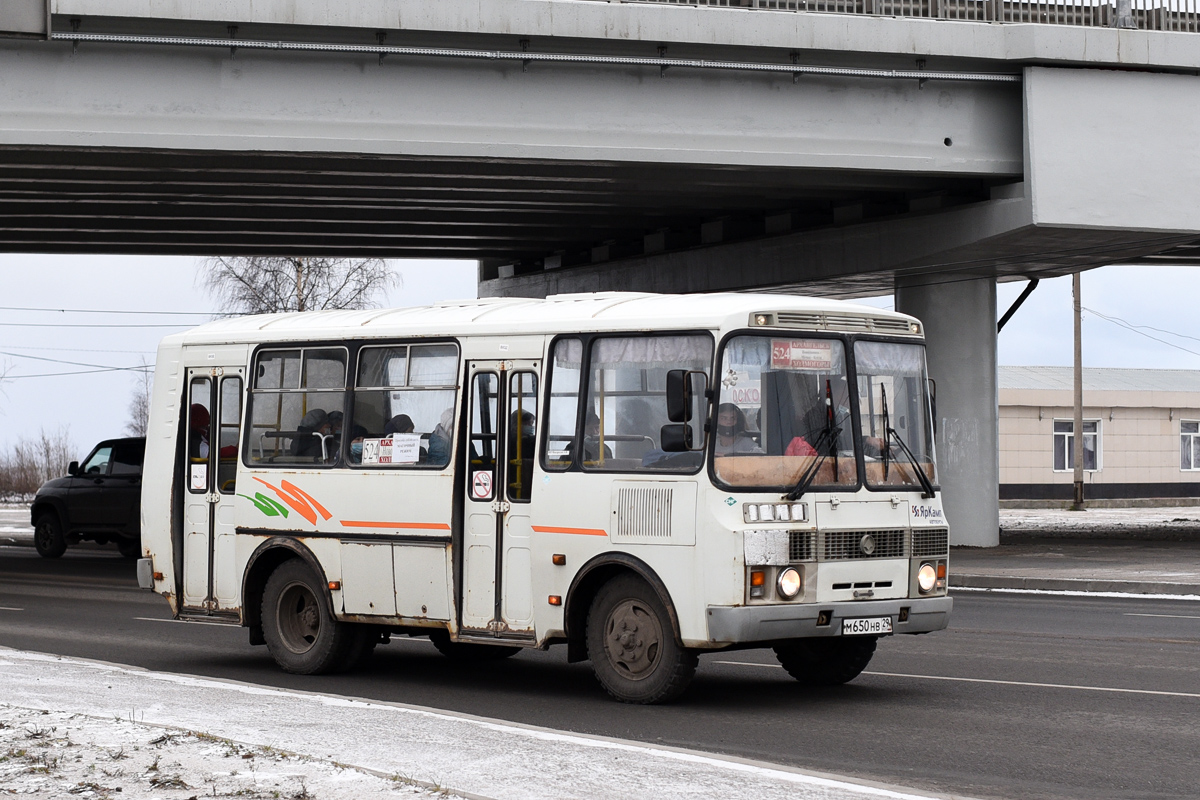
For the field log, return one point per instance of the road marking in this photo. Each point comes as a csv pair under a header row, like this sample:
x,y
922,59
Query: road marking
x,y
6,608
184,621
999,683
1168,616
1076,593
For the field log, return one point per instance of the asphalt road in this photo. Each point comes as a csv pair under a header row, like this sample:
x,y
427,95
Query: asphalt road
x,y
1038,697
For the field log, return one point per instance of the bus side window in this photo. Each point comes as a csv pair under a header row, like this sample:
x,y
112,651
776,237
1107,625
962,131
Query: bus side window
x,y
522,434
562,412
199,425
229,434
481,458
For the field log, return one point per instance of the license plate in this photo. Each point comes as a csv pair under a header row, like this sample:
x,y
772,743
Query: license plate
x,y
866,626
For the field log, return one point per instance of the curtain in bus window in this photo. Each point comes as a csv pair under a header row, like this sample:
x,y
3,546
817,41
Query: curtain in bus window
x,y
563,412
626,401
296,406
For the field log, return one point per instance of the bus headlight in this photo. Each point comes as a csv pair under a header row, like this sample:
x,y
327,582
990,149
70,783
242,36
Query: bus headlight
x,y
926,578
790,583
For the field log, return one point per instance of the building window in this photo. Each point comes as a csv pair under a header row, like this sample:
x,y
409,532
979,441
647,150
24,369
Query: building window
x,y
1064,445
1189,445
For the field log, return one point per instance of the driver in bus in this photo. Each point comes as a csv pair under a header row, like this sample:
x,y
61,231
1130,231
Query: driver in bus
x,y
732,438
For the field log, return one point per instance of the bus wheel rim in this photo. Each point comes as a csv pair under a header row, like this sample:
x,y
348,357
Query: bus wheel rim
x,y
633,639
299,618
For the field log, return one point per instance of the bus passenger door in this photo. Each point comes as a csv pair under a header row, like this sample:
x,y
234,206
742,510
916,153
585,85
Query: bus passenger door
x,y
497,566
210,580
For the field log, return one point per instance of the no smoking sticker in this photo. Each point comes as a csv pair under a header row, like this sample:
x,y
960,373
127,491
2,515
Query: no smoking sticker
x,y
481,485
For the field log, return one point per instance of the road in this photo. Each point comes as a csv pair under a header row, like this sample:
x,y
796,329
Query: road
x,y
1023,697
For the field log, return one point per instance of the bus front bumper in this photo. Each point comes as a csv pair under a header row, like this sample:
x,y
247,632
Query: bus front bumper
x,y
734,624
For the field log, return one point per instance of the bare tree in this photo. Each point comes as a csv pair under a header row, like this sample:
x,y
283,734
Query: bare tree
x,y
139,402
32,462
262,284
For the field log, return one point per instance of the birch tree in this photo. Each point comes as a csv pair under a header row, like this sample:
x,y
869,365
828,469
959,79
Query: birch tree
x,y
269,284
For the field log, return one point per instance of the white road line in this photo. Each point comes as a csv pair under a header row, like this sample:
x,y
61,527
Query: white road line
x,y
1000,683
185,621
6,608
1073,593
1168,616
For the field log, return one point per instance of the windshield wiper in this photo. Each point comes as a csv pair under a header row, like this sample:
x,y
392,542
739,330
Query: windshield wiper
x,y
829,436
889,434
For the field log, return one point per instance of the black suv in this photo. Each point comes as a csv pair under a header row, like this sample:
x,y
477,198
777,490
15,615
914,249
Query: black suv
x,y
100,501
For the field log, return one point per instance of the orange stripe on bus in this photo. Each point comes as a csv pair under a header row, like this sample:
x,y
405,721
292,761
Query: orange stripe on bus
x,y
578,531
354,523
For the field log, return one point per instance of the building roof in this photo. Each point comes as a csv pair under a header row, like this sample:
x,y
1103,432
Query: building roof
x,y
1101,379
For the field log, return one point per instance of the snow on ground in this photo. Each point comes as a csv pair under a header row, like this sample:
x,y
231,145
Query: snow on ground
x,y
49,754
1184,519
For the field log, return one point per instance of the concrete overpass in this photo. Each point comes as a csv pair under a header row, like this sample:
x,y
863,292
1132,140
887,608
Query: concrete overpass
x,y
580,145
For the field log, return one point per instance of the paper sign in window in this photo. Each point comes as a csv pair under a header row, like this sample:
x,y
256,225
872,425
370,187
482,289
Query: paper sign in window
x,y
198,480
801,354
403,448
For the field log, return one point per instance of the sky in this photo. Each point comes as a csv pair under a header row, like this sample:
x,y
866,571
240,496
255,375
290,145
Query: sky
x,y
94,406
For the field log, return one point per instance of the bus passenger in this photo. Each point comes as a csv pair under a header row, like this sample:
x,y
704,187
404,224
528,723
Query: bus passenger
x,y
440,439
591,440
357,434
310,433
198,420
732,438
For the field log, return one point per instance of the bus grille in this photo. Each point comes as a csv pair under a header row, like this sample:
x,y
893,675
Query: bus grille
x,y
842,322
644,513
930,542
845,545
802,546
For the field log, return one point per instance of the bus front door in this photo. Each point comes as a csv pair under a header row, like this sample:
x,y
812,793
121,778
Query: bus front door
x,y
210,583
497,597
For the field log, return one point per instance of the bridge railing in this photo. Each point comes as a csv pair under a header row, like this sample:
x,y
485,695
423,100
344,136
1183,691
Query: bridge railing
x,y
1152,15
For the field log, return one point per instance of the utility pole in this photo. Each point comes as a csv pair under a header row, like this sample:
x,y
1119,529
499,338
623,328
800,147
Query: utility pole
x,y
1077,427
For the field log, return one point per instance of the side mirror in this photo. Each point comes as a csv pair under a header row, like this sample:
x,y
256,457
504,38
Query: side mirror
x,y
73,468
676,438
679,396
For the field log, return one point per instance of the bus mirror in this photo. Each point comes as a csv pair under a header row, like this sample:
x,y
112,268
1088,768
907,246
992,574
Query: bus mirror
x,y
676,438
73,468
679,396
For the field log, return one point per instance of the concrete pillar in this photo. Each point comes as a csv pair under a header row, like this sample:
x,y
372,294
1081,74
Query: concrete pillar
x,y
960,333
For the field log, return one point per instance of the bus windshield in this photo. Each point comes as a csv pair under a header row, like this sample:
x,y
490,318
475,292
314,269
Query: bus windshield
x,y
784,404
893,408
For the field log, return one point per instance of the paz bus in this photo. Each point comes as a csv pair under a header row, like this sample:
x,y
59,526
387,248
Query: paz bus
x,y
640,477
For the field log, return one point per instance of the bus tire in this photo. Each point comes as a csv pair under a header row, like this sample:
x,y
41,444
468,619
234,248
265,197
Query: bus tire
x,y
467,652
632,645
826,661
302,636
48,536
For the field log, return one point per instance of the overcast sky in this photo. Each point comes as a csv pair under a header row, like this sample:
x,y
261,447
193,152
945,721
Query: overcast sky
x,y
94,405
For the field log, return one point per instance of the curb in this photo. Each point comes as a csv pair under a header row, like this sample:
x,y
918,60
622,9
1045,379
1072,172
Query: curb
x,y
1071,585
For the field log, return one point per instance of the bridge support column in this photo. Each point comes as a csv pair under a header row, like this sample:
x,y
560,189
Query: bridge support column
x,y
960,332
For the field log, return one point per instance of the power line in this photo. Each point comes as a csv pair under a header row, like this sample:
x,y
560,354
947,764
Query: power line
x,y
1129,327
1147,327
88,325
110,311
57,374
73,363
77,350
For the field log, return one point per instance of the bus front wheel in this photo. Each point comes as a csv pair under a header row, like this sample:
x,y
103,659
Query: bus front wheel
x,y
301,634
826,661
632,646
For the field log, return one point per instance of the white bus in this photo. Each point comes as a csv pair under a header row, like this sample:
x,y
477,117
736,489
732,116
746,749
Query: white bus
x,y
640,477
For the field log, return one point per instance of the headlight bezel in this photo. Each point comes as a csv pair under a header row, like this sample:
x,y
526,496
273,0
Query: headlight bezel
x,y
798,583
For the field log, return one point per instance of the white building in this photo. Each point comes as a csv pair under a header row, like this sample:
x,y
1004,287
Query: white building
x,y
1141,431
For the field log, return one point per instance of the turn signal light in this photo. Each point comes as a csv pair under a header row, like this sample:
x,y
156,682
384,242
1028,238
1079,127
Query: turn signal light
x,y
941,569
555,600
758,578
559,560
335,585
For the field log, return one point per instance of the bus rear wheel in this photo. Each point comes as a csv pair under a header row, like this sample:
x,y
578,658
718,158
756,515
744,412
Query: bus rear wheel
x,y
632,645
826,661
301,634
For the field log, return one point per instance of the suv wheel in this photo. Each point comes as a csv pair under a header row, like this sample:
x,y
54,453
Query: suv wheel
x,y
48,536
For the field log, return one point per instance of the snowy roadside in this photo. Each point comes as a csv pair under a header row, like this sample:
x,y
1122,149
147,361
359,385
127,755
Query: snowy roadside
x,y
127,709
1101,522
48,754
